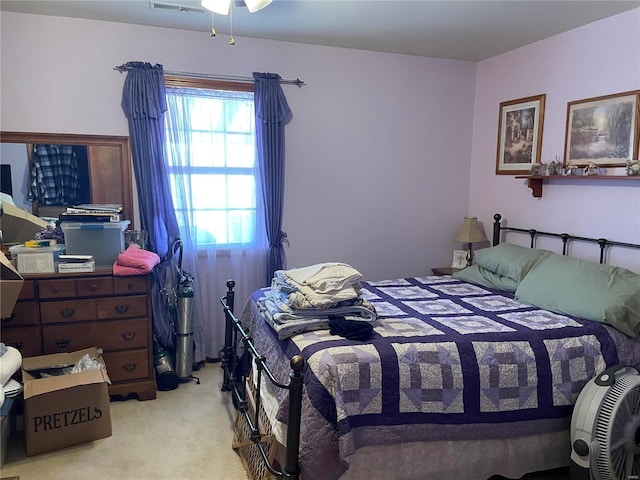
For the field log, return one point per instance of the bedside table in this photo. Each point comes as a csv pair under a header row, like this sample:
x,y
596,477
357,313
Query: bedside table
x,y
440,271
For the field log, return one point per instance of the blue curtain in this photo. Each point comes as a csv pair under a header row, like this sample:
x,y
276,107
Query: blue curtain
x,y
144,104
272,114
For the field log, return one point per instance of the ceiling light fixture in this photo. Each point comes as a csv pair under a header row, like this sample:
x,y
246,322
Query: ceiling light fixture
x,y
224,7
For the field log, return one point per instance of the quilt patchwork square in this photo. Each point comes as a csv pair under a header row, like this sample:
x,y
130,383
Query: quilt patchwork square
x,y
353,374
411,291
382,283
405,327
459,289
508,376
540,319
436,307
387,309
303,340
430,279
467,324
494,303
574,361
430,377
368,294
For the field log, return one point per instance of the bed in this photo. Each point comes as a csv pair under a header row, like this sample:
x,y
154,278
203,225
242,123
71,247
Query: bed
x,y
465,376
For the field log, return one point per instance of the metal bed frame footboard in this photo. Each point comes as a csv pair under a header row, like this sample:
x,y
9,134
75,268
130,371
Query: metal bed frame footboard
x,y
498,228
235,332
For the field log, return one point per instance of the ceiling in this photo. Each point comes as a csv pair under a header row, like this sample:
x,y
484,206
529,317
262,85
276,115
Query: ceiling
x,y
455,29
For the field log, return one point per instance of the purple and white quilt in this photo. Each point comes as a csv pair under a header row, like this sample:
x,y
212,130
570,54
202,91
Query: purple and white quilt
x,y
449,360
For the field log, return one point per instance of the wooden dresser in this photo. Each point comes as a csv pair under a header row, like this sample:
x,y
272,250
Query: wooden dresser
x,y
63,313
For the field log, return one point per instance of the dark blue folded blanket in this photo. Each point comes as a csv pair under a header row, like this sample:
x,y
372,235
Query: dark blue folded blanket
x,y
350,329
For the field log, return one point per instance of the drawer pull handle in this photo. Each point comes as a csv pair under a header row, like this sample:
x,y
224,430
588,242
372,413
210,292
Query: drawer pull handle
x,y
67,312
130,367
121,309
63,342
129,286
55,289
18,345
128,336
93,287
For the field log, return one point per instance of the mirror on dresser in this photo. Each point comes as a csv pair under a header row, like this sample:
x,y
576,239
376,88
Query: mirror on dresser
x,y
103,172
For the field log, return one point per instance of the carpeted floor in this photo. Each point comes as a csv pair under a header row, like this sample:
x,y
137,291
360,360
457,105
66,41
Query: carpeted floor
x,y
185,434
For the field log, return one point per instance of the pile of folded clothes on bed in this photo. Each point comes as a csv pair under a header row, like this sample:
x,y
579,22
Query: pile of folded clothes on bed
x,y
321,296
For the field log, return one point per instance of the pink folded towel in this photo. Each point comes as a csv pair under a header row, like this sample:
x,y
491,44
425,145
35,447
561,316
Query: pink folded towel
x,y
135,261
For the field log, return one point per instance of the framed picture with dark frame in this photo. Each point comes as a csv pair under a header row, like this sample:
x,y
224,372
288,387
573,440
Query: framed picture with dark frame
x,y
520,135
603,130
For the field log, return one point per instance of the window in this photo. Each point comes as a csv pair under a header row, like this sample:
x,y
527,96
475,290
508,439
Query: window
x,y
211,156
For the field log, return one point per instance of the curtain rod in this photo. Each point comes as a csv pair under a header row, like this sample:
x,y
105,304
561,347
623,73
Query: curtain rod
x,y
231,78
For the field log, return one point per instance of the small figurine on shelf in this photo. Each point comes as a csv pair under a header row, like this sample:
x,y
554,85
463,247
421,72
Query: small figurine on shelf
x,y
572,169
538,169
555,167
591,169
633,168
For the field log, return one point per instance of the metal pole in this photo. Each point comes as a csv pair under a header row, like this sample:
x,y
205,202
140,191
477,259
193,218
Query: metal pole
x,y
292,468
228,350
212,76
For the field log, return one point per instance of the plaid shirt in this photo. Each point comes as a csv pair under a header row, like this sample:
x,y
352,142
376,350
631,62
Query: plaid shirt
x,y
54,175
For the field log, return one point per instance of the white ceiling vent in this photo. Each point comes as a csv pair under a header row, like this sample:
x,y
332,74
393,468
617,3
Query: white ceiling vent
x,y
174,7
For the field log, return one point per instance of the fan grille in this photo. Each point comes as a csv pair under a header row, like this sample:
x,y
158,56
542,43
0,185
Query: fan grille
x,y
619,406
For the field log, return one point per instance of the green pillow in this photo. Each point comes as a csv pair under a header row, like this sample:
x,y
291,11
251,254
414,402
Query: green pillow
x,y
486,278
509,260
586,290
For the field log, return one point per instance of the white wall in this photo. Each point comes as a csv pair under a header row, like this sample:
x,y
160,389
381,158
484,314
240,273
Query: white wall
x,y
598,59
385,154
377,153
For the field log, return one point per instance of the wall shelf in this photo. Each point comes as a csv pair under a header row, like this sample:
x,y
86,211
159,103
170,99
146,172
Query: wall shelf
x,y
535,182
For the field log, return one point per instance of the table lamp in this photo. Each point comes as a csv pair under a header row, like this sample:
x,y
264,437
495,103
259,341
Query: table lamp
x,y
470,233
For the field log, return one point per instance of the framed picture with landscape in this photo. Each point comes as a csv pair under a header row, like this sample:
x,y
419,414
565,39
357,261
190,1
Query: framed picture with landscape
x,y
603,130
520,135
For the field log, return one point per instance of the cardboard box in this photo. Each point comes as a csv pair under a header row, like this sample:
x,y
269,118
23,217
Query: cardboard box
x,y
18,225
10,283
65,410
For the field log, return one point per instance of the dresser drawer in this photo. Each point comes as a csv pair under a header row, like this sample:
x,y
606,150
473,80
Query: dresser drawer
x,y
113,335
68,311
24,313
67,338
122,307
26,339
124,285
91,287
56,288
128,365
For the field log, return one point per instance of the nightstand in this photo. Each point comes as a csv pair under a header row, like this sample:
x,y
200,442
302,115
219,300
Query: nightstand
x,y
440,271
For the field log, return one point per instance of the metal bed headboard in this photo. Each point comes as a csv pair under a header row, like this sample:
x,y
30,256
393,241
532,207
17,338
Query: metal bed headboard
x,y
498,228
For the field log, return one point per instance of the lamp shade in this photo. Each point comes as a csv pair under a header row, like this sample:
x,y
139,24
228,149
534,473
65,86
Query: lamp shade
x,y
221,7
470,231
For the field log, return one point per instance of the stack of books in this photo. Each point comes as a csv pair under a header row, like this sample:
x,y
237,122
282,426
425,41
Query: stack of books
x,y
92,212
76,263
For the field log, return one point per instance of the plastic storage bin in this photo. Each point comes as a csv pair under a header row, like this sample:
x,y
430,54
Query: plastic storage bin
x,y
103,240
36,259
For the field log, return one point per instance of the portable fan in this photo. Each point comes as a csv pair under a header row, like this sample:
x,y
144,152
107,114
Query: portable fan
x,y
605,427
